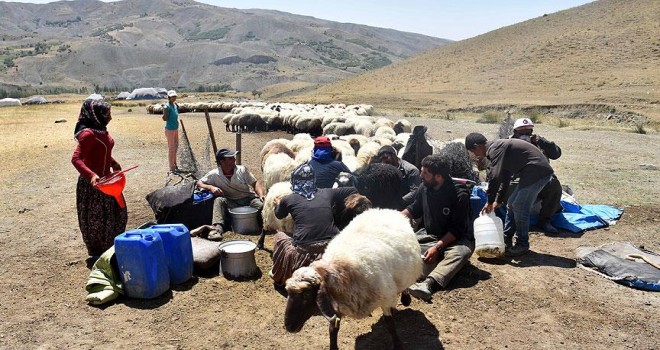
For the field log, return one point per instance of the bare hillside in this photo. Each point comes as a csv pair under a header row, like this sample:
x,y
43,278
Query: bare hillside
x,y
605,52
125,44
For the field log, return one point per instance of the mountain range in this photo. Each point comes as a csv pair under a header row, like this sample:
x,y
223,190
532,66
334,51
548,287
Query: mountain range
x,y
185,44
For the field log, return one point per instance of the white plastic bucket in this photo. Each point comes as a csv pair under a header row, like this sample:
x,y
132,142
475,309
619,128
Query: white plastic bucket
x,y
244,220
488,236
237,259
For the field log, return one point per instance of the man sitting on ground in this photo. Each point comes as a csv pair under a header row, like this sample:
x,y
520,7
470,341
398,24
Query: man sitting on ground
x,y
445,240
233,186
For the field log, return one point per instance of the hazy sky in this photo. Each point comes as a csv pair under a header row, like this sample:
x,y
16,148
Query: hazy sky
x,y
454,20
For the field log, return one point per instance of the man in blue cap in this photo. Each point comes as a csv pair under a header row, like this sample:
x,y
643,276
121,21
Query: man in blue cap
x,y
233,186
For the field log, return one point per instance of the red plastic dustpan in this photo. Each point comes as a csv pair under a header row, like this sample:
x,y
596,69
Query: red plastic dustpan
x,y
113,185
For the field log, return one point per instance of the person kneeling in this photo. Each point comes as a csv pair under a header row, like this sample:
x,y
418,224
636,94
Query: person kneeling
x,y
311,209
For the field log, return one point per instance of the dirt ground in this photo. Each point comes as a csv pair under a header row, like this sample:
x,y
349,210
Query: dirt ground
x,y
539,301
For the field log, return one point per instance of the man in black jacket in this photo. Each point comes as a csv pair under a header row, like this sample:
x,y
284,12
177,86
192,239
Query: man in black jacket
x,y
445,239
509,158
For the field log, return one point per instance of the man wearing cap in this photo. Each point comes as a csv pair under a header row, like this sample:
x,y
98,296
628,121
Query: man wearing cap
x,y
550,195
508,158
171,119
323,161
411,178
233,186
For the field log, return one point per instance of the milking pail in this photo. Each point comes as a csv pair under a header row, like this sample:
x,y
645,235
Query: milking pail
x,y
237,259
244,220
489,236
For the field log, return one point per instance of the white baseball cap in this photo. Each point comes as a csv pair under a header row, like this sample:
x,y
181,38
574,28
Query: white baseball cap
x,y
171,93
522,122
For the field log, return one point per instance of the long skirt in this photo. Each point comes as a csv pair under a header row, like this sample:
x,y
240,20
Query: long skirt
x,y
288,258
99,216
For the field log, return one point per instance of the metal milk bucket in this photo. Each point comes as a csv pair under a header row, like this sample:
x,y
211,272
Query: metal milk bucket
x,y
244,220
237,259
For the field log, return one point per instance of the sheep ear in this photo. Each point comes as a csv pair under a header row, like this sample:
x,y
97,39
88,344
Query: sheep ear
x,y
324,301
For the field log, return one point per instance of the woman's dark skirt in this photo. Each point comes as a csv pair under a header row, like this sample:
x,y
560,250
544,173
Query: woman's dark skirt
x,y
288,258
99,216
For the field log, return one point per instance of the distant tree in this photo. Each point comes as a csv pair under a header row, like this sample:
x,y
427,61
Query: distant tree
x,y
256,93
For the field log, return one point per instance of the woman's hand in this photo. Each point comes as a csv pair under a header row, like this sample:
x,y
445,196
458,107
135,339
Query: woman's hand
x,y
116,167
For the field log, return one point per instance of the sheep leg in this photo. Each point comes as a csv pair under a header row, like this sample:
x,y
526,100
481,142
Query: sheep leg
x,y
391,327
335,322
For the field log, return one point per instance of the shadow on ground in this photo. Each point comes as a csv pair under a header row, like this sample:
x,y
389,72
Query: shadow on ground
x,y
415,331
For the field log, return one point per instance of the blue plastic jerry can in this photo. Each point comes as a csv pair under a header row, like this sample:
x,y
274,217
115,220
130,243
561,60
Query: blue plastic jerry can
x,y
142,264
178,251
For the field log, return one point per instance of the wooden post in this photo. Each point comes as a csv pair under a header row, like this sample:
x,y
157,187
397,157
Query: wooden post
x,y
208,123
238,147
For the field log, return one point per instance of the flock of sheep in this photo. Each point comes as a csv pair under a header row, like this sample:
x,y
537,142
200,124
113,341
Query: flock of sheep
x,y
376,256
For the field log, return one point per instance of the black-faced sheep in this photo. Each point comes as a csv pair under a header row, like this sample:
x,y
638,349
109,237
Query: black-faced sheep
x,y
365,267
353,205
379,182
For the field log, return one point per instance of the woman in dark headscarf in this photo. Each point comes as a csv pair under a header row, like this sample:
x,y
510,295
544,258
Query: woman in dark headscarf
x,y
311,209
99,216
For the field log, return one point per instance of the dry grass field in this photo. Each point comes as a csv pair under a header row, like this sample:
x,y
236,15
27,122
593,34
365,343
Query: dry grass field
x,y
540,301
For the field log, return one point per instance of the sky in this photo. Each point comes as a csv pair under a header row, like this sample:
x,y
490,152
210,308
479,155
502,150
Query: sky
x,y
453,20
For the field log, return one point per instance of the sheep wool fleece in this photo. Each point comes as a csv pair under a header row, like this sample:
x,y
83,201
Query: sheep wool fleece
x,y
381,251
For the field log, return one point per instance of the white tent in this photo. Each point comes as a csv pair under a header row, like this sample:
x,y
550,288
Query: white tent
x,y
144,94
35,100
94,97
5,102
123,95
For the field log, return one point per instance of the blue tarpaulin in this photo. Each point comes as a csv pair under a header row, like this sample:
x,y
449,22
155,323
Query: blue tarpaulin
x,y
574,218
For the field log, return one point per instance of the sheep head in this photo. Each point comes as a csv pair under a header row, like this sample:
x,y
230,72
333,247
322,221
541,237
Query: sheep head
x,y
306,296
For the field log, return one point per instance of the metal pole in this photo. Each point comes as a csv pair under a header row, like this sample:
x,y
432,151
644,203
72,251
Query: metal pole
x,y
238,147
208,123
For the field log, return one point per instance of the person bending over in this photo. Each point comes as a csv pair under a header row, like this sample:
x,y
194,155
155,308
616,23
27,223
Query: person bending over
x,y
311,209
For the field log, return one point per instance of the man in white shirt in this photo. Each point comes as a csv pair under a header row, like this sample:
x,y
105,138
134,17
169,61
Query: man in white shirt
x,y
233,186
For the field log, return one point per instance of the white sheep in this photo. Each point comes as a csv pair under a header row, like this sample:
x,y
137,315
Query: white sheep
x,y
275,194
364,267
278,167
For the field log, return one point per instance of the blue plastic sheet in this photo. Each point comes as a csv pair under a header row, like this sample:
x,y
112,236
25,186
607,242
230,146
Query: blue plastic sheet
x,y
574,218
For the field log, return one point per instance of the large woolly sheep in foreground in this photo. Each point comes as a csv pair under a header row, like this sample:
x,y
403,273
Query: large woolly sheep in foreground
x,y
365,267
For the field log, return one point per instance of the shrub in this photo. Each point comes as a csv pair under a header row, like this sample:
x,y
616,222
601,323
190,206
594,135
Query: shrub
x,y
563,123
490,118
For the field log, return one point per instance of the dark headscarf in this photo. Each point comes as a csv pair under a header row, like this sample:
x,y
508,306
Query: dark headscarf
x,y
92,116
303,181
